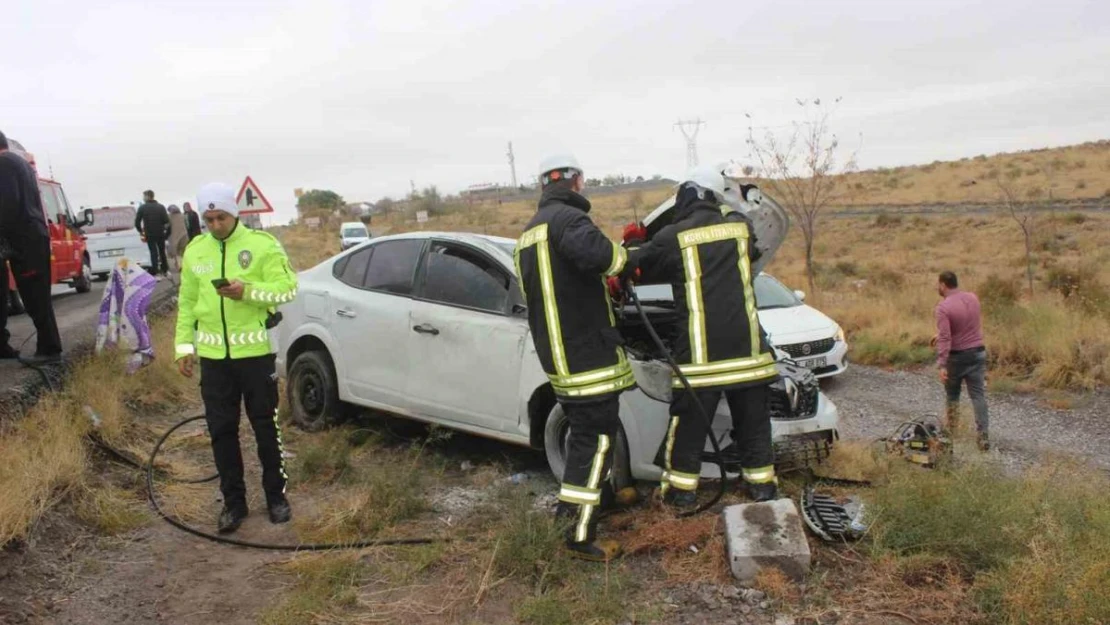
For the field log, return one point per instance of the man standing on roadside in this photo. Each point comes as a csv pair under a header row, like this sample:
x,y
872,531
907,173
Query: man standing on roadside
x,y
25,243
961,355
230,280
153,223
192,222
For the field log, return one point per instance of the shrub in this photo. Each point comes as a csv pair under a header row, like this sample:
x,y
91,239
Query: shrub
x,y
885,277
1080,185
997,292
1075,219
888,221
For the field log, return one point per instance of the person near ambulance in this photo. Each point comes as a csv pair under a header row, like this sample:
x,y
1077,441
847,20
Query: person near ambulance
x,y
706,254
562,260
153,223
232,279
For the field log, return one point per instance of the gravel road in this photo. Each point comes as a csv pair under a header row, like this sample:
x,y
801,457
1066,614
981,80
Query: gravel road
x,y
873,402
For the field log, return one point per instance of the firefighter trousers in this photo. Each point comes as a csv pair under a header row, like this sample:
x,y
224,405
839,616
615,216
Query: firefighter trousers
x,y
253,381
686,432
593,431
31,270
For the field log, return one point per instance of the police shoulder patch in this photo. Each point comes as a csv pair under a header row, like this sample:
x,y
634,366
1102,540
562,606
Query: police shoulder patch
x,y
245,258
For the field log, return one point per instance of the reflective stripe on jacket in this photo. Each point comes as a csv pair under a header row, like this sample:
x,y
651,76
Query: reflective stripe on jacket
x,y
216,327
706,256
562,260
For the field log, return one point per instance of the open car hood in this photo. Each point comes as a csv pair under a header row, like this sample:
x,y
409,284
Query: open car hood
x,y
771,222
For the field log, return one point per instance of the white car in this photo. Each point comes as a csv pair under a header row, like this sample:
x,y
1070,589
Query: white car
x,y
432,326
112,237
807,335
351,233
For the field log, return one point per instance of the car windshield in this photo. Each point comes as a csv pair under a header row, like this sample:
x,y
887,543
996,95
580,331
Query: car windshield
x,y
354,232
111,219
769,293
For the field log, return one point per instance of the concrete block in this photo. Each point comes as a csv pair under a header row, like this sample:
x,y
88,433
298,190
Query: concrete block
x,y
759,535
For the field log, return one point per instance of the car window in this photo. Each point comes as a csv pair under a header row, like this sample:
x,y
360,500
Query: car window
x,y
459,276
111,219
352,269
354,232
770,293
393,265
49,202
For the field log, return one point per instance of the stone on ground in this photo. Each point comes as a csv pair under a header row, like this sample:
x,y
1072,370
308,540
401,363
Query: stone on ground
x,y
768,534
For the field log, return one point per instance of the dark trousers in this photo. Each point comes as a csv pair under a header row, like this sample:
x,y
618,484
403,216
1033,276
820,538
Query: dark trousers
x,y
224,383
593,432
686,432
968,367
31,267
158,263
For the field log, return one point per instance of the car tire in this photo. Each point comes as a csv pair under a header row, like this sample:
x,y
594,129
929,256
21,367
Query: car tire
x,y
102,277
555,433
314,393
83,282
15,303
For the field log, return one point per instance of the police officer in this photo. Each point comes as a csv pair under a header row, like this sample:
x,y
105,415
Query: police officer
x,y
25,243
706,253
231,278
562,260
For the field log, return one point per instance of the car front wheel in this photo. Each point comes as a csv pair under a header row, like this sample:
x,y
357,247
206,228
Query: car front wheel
x,y
556,436
83,282
314,393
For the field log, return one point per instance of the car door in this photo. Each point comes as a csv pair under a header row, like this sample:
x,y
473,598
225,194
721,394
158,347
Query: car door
x,y
465,344
370,320
61,248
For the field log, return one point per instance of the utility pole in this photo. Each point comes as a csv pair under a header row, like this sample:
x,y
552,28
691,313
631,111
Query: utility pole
x,y
690,130
512,163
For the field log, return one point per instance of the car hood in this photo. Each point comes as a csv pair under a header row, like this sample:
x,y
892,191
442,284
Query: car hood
x,y
771,221
796,324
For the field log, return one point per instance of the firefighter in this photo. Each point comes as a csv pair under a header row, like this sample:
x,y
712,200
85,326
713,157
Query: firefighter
x,y
231,279
706,254
562,260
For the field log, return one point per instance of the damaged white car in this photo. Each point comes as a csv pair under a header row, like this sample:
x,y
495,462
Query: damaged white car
x,y
431,326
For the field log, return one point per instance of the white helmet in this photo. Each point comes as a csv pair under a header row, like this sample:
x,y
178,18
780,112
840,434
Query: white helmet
x,y
715,178
558,161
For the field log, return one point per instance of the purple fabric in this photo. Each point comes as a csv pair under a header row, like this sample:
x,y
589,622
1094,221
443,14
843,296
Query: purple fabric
x,y
123,311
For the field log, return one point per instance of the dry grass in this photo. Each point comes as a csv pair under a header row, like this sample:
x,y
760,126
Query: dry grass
x,y
111,510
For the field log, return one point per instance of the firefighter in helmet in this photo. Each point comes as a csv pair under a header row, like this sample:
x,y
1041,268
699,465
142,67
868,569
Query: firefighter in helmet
x,y
706,254
562,260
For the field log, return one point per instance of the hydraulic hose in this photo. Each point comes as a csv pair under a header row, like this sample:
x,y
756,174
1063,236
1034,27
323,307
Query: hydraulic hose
x,y
363,544
630,289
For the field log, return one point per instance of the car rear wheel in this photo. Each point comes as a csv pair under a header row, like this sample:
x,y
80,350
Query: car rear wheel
x,y
314,393
556,435
83,282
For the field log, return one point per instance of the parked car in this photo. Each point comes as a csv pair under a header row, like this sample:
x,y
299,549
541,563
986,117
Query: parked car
x,y
432,326
114,237
351,233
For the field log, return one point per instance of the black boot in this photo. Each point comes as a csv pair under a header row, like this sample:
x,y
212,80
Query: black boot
x,y
231,517
280,511
7,352
591,549
680,499
763,492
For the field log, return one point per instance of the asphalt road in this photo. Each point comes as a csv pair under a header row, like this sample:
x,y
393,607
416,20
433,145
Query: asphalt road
x,y
77,316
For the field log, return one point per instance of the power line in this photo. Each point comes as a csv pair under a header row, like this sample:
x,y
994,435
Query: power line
x,y
690,130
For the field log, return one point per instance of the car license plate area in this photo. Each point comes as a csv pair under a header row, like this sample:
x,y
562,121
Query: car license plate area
x,y
813,363
109,253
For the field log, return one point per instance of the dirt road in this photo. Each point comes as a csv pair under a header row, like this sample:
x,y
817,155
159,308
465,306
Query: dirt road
x,y
873,402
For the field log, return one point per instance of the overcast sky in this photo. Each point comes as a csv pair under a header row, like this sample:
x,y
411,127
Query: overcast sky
x,y
363,96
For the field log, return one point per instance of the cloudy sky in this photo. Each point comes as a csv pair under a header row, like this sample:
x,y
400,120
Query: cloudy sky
x,y
364,96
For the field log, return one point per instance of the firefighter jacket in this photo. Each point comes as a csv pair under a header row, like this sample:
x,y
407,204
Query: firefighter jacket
x,y
562,260
216,327
706,255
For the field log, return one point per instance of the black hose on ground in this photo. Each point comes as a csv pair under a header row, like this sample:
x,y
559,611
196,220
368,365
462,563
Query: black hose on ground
x,y
251,544
723,483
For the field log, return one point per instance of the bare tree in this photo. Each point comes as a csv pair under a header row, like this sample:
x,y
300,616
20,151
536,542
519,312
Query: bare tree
x,y
1023,212
800,168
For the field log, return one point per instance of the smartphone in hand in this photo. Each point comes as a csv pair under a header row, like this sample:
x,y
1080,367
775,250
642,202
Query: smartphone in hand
x,y
220,283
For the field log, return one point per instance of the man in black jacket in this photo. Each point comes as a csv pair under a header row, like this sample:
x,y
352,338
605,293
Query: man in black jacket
x,y
562,260
192,222
707,254
153,223
25,243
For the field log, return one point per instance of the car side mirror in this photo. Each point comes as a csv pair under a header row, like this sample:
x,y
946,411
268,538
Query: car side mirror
x,y
87,217
801,295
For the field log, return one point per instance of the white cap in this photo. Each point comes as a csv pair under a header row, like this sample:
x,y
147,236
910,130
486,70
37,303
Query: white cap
x,y
217,196
558,161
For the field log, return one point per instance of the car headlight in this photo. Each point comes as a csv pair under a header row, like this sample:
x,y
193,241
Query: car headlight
x,y
840,335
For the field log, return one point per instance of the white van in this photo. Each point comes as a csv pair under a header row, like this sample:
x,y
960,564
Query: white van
x,y
112,237
351,233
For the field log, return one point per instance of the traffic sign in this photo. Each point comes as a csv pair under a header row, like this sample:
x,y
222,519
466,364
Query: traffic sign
x,y
250,199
